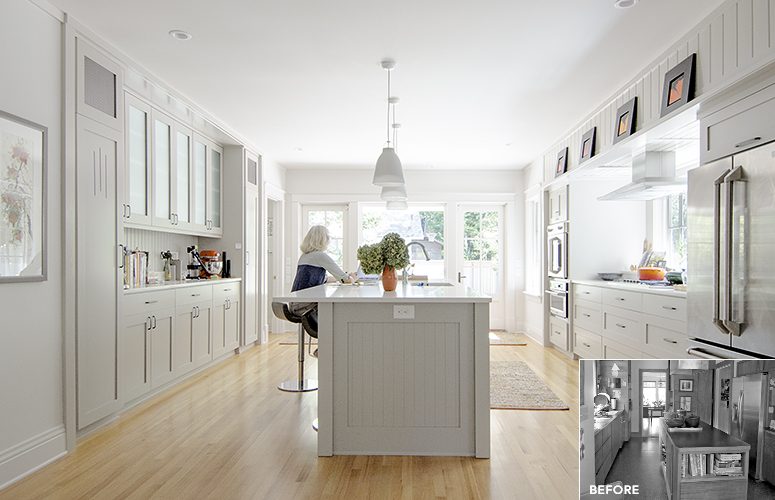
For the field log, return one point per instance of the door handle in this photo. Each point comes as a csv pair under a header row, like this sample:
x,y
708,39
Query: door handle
x,y
460,277
740,414
148,323
121,255
129,211
748,142
701,353
734,327
154,322
717,319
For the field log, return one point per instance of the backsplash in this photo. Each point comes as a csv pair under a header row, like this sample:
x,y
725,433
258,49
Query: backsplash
x,y
155,242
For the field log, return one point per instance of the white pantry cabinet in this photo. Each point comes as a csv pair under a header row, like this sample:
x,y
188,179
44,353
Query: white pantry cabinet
x,y
226,318
558,204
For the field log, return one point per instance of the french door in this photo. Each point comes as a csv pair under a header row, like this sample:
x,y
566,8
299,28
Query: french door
x,y
480,255
333,217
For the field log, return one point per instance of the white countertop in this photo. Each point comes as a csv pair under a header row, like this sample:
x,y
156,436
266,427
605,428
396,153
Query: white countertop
x,y
374,293
602,423
633,287
170,285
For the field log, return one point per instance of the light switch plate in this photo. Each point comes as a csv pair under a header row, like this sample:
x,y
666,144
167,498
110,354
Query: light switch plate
x,y
403,312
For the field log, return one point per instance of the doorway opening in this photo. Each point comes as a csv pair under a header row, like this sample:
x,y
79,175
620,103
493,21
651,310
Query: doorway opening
x,y
653,400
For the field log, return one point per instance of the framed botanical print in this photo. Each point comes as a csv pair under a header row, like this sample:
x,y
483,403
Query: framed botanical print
x,y
588,144
686,385
624,125
562,162
23,156
678,88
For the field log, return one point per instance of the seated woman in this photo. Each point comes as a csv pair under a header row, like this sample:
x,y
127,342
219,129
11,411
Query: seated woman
x,y
311,271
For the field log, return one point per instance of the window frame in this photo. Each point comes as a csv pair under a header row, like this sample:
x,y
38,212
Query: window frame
x,y
333,207
669,228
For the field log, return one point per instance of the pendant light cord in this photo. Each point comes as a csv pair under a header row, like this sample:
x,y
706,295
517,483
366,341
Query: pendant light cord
x,y
388,109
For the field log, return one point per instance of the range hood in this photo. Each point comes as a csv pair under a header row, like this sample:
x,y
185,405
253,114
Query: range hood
x,y
653,176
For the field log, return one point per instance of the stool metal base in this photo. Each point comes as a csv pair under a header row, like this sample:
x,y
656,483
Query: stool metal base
x,y
315,425
306,385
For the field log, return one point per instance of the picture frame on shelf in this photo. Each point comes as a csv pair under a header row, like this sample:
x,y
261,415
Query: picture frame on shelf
x,y
685,403
588,145
678,87
23,205
562,162
626,116
685,385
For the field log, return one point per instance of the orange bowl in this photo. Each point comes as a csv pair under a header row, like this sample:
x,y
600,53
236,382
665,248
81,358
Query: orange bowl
x,y
651,274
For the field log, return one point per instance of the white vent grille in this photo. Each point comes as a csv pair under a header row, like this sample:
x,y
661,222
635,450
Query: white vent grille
x,y
99,87
252,172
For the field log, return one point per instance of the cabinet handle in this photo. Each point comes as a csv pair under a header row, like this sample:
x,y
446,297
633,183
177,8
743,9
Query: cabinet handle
x,y
585,293
621,325
194,312
247,259
196,294
586,315
121,255
586,345
154,322
227,289
148,323
668,308
748,142
670,341
620,299
128,211
151,301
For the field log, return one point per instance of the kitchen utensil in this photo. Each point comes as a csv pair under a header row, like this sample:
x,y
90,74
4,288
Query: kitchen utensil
x,y
609,276
651,274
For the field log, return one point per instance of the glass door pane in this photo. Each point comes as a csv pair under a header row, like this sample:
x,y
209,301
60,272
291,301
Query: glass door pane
x,y
216,188
161,158
137,146
182,160
333,218
200,183
482,255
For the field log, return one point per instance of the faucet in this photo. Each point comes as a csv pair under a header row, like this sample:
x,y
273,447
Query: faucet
x,y
405,275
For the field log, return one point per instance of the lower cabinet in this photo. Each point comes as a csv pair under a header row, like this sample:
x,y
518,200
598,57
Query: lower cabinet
x,y
586,344
134,371
191,342
225,326
558,332
615,350
162,332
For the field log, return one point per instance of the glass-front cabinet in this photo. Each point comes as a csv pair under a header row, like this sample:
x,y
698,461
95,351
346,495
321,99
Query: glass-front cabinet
x,y
173,174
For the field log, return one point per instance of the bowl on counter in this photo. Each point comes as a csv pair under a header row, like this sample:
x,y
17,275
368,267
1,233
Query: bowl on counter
x,y
609,276
674,422
692,421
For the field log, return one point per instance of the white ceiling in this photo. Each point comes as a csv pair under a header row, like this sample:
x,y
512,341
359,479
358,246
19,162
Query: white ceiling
x,y
483,84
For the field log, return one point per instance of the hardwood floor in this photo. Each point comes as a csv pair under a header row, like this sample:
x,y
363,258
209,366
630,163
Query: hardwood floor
x,y
229,433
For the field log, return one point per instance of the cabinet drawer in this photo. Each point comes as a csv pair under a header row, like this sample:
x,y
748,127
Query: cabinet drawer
x,y
193,294
587,345
667,307
589,318
144,302
623,298
223,291
623,326
558,333
665,342
586,292
615,350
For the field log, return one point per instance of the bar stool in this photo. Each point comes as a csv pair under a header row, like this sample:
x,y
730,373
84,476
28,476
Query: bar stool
x,y
282,311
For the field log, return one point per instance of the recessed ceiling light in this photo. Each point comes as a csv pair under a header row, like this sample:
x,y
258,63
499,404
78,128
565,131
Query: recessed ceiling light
x,y
624,4
180,35
299,149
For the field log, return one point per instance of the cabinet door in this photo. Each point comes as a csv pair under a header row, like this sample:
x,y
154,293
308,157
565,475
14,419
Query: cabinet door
x,y
133,357
136,201
201,352
231,325
181,341
199,185
163,212
214,192
251,266
182,168
99,86
98,175
219,337
161,348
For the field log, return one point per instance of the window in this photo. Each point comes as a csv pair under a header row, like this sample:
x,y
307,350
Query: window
x,y
676,231
653,393
421,224
533,238
333,217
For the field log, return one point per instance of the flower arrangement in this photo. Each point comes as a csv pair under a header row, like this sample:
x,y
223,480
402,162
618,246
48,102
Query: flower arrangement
x,y
390,252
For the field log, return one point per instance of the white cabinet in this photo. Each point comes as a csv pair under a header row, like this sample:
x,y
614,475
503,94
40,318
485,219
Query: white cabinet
x,y
162,332
99,86
201,330
134,370
226,318
136,208
171,172
251,265
215,201
558,204
586,344
207,179
182,174
98,160
558,332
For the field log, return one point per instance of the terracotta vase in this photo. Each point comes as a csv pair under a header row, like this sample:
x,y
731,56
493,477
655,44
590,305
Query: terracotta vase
x,y
389,279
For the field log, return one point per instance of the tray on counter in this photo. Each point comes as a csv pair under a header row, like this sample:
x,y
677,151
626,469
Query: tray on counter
x,y
684,429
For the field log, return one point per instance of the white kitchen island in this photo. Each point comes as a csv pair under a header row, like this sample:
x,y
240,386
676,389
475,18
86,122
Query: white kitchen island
x,y
404,372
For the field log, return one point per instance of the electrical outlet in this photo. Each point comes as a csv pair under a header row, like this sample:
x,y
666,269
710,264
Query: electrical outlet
x,y
238,246
403,312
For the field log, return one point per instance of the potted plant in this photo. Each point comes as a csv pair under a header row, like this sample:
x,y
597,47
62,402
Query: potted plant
x,y
384,257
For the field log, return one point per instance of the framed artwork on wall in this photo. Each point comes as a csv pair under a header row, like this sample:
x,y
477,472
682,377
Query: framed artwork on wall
x,y
624,125
588,144
23,156
685,403
685,385
562,162
678,88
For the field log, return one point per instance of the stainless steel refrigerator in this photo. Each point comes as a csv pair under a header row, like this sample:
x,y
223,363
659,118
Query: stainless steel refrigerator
x,y
748,396
731,256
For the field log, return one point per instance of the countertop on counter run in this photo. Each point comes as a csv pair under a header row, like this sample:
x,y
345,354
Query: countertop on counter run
x,y
705,441
601,424
170,285
632,286
373,292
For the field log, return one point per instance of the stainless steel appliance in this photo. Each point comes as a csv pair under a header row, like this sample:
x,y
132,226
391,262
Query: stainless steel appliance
x,y
557,245
558,297
731,295
748,397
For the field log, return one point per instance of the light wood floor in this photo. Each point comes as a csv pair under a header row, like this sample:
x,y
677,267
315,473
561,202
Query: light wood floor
x,y
229,433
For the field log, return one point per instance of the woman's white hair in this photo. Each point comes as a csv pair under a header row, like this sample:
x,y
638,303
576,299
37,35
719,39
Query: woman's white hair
x,y
316,240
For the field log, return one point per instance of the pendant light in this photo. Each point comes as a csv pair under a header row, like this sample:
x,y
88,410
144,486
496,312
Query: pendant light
x,y
388,171
393,193
397,205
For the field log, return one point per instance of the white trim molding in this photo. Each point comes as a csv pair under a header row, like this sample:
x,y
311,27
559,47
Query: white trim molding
x,y
28,456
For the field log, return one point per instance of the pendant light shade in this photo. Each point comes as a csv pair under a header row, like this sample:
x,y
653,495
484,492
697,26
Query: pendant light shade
x,y
391,193
397,205
388,171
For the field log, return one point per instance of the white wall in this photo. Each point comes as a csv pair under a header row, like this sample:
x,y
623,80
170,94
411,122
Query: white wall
x,y
636,366
31,384
272,173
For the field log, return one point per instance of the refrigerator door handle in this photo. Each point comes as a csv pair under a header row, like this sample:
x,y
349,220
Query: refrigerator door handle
x,y
717,319
734,327
740,415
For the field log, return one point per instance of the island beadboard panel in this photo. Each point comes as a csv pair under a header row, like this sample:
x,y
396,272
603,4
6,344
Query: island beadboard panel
x,y
736,38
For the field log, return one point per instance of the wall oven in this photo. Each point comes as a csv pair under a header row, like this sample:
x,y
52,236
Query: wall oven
x,y
558,298
557,245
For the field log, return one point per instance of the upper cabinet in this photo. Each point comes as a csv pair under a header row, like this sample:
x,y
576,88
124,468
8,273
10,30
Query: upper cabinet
x,y
558,205
173,175
99,86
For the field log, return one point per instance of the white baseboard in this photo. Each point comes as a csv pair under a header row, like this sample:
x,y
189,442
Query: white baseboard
x,y
30,455
537,336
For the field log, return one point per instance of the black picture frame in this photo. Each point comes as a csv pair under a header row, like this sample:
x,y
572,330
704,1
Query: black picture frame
x,y
562,162
626,118
685,385
588,144
678,87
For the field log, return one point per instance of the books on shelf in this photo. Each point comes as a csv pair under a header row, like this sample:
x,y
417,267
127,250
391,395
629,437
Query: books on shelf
x,y
728,464
723,464
694,464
